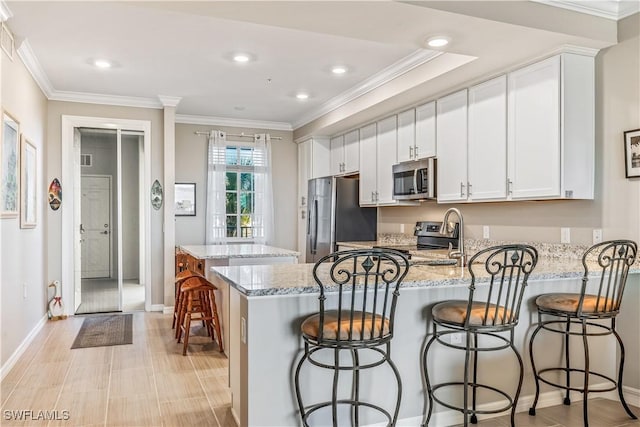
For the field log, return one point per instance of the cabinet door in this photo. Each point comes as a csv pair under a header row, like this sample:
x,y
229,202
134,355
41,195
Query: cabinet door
x,y
387,150
406,135
320,157
534,130
304,172
337,155
487,146
425,131
451,135
368,164
352,152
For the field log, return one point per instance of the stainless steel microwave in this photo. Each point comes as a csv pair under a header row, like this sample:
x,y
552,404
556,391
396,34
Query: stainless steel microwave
x,y
415,179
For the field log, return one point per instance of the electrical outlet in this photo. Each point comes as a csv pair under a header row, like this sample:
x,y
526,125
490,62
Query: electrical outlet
x,y
243,330
456,338
597,236
565,235
485,232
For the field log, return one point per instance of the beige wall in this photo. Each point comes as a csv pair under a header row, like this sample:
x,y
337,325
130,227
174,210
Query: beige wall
x,y
191,166
22,255
54,164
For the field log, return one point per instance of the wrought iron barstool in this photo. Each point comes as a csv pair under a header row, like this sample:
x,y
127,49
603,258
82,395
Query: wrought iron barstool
x,y
366,283
611,260
508,268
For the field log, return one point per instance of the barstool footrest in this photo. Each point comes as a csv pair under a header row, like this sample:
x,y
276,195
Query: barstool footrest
x,y
472,385
311,409
614,383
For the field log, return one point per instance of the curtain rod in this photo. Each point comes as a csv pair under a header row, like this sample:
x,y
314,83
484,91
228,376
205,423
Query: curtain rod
x,y
239,135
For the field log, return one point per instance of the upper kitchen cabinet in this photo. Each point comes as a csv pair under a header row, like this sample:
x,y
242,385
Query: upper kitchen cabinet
x,y
551,140
406,135
368,166
425,131
345,153
487,142
387,157
451,136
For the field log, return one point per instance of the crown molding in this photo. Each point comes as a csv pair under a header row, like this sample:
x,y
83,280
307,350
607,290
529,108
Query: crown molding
x,y
610,9
228,121
169,101
397,69
30,61
5,12
97,98
578,50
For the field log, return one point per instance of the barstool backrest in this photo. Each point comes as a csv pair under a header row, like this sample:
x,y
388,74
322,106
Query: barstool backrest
x,y
611,261
508,268
366,282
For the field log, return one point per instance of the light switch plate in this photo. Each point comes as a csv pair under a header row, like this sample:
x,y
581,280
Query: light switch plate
x,y
597,236
565,235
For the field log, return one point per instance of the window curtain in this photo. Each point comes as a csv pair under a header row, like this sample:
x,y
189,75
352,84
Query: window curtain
x,y
216,222
263,209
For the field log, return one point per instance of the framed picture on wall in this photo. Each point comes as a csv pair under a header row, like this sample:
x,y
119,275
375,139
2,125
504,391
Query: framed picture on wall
x,y
28,184
632,153
9,162
185,199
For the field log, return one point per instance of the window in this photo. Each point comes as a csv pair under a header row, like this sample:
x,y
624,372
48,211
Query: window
x,y
240,178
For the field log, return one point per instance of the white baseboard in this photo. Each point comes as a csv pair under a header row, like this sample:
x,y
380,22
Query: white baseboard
x,y
550,398
158,307
631,395
167,309
235,416
22,347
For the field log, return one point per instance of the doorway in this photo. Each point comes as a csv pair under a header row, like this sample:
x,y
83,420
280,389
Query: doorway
x,y
106,221
110,255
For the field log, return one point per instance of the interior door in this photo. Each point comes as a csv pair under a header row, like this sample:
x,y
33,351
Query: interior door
x,y
96,227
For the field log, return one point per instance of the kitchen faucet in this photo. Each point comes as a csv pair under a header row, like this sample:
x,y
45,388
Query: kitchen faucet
x,y
446,229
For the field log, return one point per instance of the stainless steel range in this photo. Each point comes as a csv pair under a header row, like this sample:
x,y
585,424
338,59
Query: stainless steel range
x,y
429,238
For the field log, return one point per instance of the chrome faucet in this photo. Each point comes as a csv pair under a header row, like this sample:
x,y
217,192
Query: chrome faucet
x,y
447,228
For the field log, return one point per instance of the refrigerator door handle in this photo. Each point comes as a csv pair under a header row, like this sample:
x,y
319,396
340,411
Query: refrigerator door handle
x,y
314,245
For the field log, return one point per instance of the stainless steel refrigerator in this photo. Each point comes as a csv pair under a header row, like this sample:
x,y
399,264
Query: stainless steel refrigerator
x,y
335,216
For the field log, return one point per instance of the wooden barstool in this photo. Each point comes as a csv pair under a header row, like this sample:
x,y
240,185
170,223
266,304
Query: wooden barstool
x,y
180,278
198,302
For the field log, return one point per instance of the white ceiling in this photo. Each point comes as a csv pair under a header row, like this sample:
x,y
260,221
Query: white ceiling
x,y
184,49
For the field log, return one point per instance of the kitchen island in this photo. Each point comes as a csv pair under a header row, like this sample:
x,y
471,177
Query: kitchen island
x,y
202,258
268,304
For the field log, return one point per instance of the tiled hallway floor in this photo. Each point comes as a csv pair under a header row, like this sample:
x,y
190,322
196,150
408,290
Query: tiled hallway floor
x,y
150,383
147,383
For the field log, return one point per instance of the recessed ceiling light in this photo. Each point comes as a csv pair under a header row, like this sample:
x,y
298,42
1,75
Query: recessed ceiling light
x,y
438,41
302,96
339,69
241,57
102,63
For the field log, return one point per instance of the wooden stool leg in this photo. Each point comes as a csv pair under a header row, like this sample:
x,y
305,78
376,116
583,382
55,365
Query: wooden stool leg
x,y
187,326
216,321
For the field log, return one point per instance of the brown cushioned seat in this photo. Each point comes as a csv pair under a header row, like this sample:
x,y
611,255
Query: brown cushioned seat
x,y
568,303
455,312
311,326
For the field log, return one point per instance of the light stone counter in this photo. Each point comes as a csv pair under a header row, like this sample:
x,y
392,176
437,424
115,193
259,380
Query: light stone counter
x,y
241,250
290,279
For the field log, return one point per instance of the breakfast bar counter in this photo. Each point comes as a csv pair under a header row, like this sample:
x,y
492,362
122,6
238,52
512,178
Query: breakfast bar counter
x,y
269,302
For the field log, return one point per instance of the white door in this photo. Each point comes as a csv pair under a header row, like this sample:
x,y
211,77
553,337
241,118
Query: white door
x,y
425,131
451,131
406,135
487,147
336,155
368,163
96,226
387,157
352,152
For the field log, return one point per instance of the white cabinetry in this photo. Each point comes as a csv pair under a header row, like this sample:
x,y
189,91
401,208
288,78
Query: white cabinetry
x,y
406,135
551,129
313,162
386,152
368,165
345,153
487,142
451,134
425,131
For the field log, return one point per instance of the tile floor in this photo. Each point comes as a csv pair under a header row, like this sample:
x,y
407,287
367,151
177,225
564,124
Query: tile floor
x,y
101,296
150,383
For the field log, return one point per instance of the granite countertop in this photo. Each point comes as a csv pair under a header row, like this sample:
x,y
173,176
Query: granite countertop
x,y
292,279
242,250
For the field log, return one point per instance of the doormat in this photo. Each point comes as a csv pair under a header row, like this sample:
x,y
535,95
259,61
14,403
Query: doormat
x,y
100,331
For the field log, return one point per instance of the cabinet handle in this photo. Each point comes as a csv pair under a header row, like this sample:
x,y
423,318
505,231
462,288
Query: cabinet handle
x,y
415,151
411,152
461,189
373,196
303,214
303,200
468,188
377,196
509,186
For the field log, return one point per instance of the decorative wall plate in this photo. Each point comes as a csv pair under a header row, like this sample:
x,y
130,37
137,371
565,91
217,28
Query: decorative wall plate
x,y
156,195
55,194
